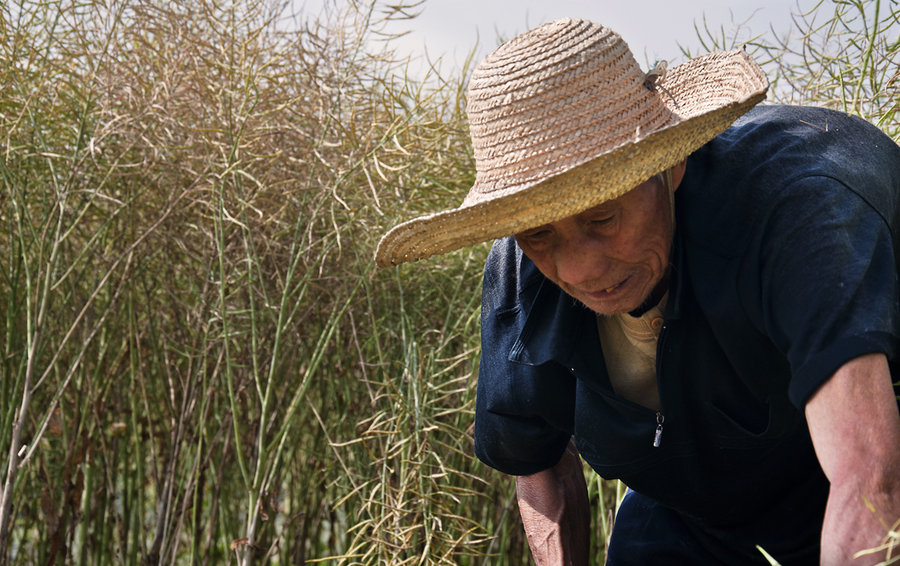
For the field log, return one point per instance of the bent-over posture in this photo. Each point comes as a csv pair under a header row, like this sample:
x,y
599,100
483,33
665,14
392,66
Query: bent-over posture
x,y
693,293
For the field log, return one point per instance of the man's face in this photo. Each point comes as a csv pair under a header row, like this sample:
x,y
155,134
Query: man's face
x,y
609,257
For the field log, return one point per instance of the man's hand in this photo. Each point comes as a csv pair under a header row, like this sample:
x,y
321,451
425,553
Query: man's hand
x,y
855,428
554,509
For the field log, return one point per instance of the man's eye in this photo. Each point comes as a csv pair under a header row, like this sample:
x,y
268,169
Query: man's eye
x,y
536,235
602,220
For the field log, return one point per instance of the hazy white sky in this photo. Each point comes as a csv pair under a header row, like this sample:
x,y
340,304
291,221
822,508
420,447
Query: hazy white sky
x,y
652,28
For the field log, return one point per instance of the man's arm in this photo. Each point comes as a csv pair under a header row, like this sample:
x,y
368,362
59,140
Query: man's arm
x,y
554,509
855,428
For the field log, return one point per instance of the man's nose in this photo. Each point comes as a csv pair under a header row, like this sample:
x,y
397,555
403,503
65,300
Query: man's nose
x,y
581,260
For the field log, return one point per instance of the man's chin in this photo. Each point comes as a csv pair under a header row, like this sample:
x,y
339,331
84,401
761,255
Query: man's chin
x,y
608,308
631,298
627,296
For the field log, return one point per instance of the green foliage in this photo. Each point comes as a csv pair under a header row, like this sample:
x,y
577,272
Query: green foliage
x,y
199,362
846,57
841,54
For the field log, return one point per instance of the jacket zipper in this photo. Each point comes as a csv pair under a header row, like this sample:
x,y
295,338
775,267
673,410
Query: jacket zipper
x,y
660,416
657,438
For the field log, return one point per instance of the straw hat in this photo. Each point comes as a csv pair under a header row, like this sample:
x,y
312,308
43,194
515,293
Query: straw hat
x,y
563,119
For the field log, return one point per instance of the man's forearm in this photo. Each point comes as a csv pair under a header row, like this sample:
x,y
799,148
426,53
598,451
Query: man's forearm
x,y
856,523
555,512
855,428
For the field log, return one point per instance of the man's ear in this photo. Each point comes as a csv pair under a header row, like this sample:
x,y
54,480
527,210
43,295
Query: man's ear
x,y
678,173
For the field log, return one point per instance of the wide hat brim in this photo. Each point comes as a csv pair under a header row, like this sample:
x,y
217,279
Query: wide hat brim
x,y
706,95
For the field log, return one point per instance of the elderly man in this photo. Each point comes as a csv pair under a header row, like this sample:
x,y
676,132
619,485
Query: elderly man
x,y
697,296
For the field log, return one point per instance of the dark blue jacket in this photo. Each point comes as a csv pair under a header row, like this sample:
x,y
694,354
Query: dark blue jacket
x,y
784,268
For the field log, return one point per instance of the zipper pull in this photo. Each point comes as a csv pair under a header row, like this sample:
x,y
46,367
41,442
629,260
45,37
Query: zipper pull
x,y
657,438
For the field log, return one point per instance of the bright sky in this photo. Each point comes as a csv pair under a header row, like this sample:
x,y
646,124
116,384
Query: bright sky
x,y
652,28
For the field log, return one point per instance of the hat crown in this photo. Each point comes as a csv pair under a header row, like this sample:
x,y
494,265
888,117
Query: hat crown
x,y
552,99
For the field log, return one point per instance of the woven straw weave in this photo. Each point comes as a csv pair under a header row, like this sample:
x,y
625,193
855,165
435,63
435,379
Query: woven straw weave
x,y
561,120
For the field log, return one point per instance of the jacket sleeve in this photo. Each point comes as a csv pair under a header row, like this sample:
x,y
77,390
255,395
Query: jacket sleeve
x,y
523,413
829,281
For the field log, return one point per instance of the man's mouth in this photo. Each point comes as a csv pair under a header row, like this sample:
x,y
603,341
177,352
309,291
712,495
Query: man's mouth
x,y
603,293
